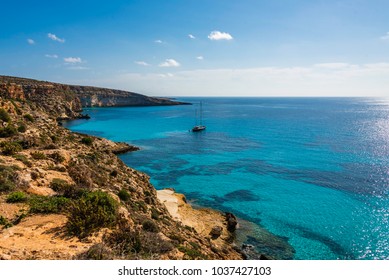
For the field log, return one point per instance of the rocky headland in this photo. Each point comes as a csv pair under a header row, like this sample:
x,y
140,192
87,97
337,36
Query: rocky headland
x,y
65,195
66,101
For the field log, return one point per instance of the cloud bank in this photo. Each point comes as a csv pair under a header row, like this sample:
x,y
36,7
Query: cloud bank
x,y
322,79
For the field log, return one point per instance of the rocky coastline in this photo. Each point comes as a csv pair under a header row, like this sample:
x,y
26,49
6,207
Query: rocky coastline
x,y
66,195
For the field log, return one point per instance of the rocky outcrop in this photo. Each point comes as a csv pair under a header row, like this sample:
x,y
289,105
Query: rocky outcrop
x,y
66,101
103,97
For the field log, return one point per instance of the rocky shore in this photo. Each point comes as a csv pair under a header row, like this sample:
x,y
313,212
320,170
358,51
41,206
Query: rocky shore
x,y
66,195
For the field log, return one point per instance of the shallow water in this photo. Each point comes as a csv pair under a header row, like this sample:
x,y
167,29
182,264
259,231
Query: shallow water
x,y
313,171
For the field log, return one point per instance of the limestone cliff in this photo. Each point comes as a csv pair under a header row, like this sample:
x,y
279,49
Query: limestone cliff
x,y
103,97
65,195
66,101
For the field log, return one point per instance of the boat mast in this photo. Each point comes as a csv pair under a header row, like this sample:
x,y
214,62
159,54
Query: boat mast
x,y
201,113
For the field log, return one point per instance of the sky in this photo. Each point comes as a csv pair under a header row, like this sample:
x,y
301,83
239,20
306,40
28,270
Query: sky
x,y
202,47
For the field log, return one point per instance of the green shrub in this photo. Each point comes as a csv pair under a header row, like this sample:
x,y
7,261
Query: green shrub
x,y
16,197
57,157
87,141
28,117
22,128
67,190
7,178
8,131
4,222
155,214
23,159
124,195
48,204
91,212
192,254
38,155
96,252
124,240
150,226
4,116
10,148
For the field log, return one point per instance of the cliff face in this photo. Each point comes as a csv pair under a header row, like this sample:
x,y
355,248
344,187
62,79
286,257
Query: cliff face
x,y
65,195
103,97
66,101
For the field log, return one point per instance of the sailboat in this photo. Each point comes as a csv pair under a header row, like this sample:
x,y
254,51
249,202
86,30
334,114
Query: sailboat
x,y
199,127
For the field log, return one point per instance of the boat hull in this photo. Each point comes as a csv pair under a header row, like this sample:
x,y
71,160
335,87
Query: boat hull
x,y
198,128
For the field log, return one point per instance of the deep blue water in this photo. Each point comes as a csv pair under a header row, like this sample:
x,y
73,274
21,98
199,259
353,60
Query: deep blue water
x,y
313,171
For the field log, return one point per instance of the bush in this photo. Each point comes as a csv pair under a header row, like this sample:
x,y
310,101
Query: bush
x,y
96,252
150,226
87,141
8,131
190,253
23,159
4,222
46,205
124,195
124,240
10,148
91,212
7,178
81,174
65,189
57,157
4,116
155,214
38,155
16,197
28,117
22,128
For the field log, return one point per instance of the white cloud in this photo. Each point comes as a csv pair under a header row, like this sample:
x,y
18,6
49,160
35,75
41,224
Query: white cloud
x,y
142,63
200,57
159,41
191,36
55,38
217,35
169,63
30,41
51,55
385,37
72,60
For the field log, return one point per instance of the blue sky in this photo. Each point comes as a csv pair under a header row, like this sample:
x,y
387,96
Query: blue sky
x,y
213,47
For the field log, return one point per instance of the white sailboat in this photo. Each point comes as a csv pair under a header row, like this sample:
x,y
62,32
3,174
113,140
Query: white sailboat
x,y
199,127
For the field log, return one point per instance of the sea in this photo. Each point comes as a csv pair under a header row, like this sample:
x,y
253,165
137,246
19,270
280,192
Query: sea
x,y
311,173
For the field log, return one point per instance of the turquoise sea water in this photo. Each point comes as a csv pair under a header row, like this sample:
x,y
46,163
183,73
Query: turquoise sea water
x,y
312,171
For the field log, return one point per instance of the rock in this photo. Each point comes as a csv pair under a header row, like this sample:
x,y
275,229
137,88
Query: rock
x,y
216,231
5,257
232,222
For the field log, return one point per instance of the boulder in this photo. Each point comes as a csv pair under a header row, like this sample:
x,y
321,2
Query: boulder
x,y
232,222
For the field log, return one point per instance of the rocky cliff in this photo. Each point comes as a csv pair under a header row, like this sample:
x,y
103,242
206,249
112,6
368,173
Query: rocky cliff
x,y
66,101
66,195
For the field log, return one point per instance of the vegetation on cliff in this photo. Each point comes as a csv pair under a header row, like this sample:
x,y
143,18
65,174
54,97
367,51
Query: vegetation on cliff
x,y
67,195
